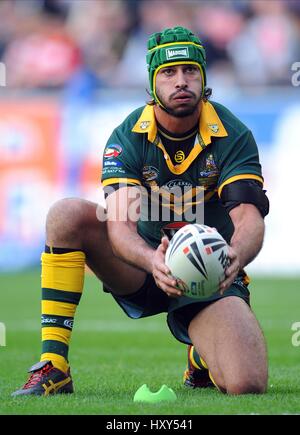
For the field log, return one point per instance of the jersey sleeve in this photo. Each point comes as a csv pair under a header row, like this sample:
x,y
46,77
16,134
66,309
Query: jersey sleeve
x,y
239,161
120,164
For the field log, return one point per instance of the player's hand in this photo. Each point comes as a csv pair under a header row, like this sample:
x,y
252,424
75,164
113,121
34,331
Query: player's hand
x,y
162,273
232,270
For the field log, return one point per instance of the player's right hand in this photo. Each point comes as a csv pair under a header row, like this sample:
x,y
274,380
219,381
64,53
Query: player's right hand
x,y
161,272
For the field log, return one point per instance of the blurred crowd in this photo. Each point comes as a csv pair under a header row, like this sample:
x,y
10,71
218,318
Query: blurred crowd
x,y
82,45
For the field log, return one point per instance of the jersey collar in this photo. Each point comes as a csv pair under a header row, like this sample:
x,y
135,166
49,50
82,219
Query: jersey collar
x,y
209,124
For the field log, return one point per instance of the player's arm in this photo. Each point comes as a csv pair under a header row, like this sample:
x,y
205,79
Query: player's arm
x,y
247,205
246,241
241,193
123,210
249,229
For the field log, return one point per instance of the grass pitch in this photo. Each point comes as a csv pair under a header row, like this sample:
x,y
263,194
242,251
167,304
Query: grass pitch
x,y
111,355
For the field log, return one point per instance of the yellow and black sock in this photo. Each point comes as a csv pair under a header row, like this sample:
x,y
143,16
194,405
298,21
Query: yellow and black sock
x,y
196,359
199,363
62,286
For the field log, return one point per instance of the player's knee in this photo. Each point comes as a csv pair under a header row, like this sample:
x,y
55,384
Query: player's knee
x,y
246,386
65,219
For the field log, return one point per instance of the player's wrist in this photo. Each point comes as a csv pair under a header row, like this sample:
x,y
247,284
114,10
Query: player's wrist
x,y
149,260
236,253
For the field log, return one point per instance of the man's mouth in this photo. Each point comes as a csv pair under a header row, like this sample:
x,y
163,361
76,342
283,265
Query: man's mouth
x,y
183,97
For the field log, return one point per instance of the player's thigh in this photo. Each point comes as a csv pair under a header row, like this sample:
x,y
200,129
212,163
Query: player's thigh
x,y
230,340
117,275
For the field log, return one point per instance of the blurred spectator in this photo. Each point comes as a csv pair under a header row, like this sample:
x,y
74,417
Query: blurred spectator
x,y
218,25
42,53
8,23
264,51
153,16
101,30
86,44
294,8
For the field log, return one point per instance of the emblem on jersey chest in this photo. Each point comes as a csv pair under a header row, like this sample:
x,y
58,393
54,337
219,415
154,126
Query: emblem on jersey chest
x,y
144,125
150,176
179,156
213,127
150,173
209,172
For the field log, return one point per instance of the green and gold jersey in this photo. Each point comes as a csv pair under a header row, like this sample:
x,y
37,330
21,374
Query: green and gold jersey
x,y
188,190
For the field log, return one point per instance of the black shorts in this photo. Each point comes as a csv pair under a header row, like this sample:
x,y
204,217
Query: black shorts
x,y
150,300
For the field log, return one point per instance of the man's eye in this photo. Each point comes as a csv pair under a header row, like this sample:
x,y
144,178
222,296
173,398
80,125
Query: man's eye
x,y
191,69
168,71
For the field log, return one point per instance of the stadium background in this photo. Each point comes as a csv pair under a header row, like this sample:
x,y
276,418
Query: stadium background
x,y
71,70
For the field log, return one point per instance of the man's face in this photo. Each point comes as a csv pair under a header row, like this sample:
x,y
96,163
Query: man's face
x,y
179,89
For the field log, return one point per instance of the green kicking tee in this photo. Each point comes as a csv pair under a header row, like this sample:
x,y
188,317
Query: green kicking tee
x,y
223,152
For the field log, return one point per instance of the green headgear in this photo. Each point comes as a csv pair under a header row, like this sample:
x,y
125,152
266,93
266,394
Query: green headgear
x,y
174,46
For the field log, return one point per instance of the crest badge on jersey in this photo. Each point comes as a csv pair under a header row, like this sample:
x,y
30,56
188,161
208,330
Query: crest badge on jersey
x,y
150,176
150,173
213,127
144,125
209,172
112,151
210,169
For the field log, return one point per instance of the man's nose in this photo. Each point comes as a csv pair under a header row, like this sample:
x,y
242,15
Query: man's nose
x,y
181,81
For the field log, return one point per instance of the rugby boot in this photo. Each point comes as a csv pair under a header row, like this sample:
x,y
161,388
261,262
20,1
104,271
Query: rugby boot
x,y
46,379
196,376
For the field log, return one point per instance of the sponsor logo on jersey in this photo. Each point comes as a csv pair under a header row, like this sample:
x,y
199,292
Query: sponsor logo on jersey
x,y
177,53
177,183
176,192
178,195
179,156
113,170
112,151
115,164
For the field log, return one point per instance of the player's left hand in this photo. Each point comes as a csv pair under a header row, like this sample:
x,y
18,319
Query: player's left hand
x,y
232,270
161,273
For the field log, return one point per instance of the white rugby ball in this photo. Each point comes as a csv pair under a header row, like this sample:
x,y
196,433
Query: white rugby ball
x,y
197,256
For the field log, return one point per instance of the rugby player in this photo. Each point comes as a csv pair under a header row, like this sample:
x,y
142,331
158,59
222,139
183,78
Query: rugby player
x,y
179,149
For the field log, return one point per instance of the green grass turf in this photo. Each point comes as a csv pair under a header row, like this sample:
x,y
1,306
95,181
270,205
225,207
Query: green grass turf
x,y
111,355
